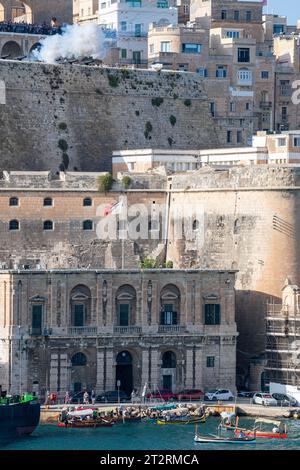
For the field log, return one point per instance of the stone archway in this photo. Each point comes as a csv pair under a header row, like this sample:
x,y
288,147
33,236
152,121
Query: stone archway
x,y
11,49
124,372
36,47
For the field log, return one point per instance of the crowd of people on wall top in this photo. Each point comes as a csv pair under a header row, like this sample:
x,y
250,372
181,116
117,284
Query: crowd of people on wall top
x,y
25,28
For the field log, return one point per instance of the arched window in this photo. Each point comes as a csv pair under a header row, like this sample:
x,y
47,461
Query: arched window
x,y
14,201
80,304
126,305
48,225
87,201
169,360
87,225
170,305
195,225
14,225
79,359
48,201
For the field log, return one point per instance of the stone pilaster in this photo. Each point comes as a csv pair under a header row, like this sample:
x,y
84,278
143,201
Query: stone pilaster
x,y
64,374
189,364
145,367
110,370
100,371
53,383
199,363
155,370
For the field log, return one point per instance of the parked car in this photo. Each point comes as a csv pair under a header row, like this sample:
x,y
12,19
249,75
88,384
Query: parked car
x,y
190,394
165,395
245,394
219,394
284,400
112,396
264,399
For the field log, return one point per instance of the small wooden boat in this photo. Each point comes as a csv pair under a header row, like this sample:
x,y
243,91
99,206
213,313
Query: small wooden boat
x,y
278,431
184,420
226,440
86,423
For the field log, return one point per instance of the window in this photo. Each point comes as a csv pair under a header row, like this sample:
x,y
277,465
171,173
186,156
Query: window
x,y
212,109
14,201
138,30
185,9
123,26
168,316
14,225
103,5
79,359
123,53
36,319
169,360
87,201
233,34
165,46
247,106
244,77
162,4
48,225
239,137
210,361
284,113
243,54
232,107
134,3
224,14
190,48
264,74
278,28
78,314
212,314
248,16
221,71
229,137
124,314
296,141
202,72
48,202
236,15
136,57
281,142
151,48
87,225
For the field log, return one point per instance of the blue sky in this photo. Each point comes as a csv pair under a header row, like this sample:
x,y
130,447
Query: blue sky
x,y
289,8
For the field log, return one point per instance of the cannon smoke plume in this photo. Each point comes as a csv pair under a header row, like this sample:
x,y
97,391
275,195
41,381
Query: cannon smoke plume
x,y
75,42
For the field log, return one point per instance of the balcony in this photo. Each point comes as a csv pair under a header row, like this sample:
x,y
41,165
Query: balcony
x,y
82,330
266,104
127,330
173,329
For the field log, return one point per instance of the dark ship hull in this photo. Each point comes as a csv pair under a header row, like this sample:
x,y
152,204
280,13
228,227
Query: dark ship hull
x,y
18,419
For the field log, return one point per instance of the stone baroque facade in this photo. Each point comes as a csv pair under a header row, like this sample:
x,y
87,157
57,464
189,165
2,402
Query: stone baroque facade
x,y
36,11
75,329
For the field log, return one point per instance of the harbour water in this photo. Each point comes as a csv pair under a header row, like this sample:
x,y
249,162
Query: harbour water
x,y
145,436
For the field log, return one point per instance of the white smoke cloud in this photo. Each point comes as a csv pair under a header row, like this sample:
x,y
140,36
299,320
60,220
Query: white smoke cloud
x,y
76,42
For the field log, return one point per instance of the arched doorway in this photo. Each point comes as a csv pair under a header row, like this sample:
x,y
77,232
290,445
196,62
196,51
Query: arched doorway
x,y
124,372
169,363
11,49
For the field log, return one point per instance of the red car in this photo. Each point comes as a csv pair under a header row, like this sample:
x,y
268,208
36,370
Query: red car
x,y
165,395
189,394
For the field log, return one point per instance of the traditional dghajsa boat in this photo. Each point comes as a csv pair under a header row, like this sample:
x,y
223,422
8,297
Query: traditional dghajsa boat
x,y
279,430
182,420
226,440
258,428
83,418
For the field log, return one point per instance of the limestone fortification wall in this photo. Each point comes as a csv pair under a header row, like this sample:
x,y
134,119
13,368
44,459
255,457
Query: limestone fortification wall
x,y
73,116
